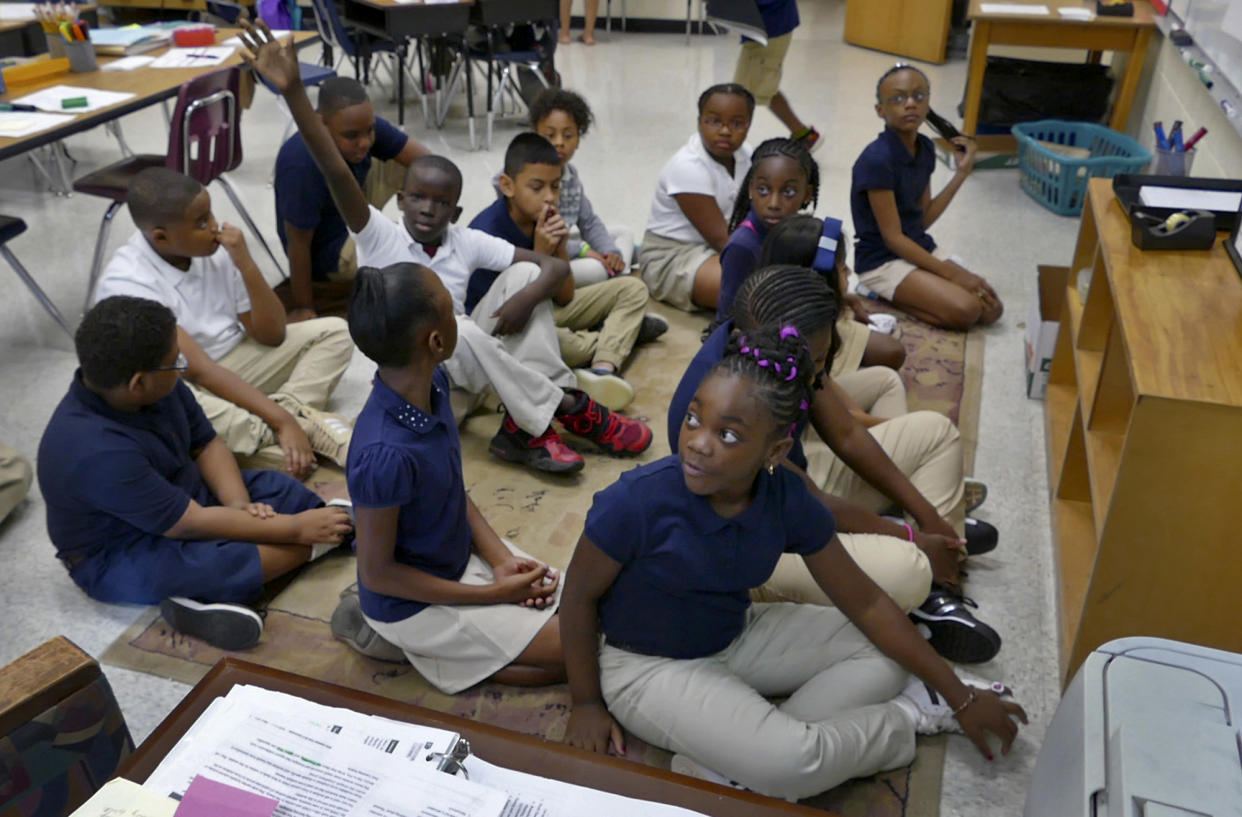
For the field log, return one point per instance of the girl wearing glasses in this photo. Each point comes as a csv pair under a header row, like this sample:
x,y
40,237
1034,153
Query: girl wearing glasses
x,y
893,207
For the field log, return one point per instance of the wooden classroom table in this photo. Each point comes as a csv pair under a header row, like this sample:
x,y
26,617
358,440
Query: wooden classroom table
x,y
148,85
1101,33
500,746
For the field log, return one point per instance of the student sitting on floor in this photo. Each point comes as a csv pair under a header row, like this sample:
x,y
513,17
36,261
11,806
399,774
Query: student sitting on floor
x,y
683,540
688,225
509,341
913,463
433,577
322,259
259,380
893,207
596,252
526,216
146,505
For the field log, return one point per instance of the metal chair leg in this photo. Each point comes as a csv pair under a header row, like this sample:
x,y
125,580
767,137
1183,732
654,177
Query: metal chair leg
x,y
114,128
35,289
101,244
245,214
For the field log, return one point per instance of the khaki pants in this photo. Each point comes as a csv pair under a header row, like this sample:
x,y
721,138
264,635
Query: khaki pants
x,y
14,480
759,67
878,390
304,369
619,303
837,723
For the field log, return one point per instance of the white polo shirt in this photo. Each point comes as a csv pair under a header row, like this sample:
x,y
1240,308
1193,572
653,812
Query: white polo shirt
x,y
206,298
463,250
693,170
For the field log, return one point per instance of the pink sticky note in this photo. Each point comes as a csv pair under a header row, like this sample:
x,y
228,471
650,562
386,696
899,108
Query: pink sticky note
x,y
210,798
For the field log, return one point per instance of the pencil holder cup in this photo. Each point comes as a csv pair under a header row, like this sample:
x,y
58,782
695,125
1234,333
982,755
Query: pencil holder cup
x,y
81,56
1172,162
55,44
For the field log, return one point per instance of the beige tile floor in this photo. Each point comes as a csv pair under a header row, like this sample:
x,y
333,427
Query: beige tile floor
x,y
642,88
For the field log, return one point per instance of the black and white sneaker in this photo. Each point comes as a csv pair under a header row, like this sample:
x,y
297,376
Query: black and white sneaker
x,y
932,715
653,326
981,537
953,630
225,626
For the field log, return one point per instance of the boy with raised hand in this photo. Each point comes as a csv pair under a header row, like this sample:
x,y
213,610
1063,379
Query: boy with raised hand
x,y
526,216
322,258
146,505
261,382
508,342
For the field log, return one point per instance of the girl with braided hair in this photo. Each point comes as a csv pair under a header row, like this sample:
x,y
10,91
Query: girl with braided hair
x,y
683,540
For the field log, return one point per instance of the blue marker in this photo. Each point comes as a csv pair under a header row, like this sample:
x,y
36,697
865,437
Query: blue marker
x,y
1177,142
1161,141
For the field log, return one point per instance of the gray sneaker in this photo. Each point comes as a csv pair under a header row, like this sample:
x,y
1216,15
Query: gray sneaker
x,y
350,626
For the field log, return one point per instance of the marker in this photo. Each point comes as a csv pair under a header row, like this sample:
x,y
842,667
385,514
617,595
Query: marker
x,y
1194,140
1177,142
1161,141
17,106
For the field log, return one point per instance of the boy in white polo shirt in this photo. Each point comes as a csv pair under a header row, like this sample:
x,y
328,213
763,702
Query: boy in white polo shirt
x,y
508,340
259,381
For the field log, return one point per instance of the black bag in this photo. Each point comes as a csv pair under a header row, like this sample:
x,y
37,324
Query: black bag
x,y
1028,90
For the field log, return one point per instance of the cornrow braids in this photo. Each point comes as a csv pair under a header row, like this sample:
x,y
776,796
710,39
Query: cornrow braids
x,y
901,66
788,296
788,148
777,360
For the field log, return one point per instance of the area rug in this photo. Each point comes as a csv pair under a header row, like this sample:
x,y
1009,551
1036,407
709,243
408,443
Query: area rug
x,y
545,515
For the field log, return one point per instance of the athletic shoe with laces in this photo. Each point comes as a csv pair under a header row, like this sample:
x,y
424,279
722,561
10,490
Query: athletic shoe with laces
x,y
612,432
653,326
349,625
225,626
329,434
810,138
953,630
931,713
605,387
547,452
980,536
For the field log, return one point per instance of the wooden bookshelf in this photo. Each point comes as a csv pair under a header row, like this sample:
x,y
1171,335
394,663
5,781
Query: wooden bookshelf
x,y
1144,433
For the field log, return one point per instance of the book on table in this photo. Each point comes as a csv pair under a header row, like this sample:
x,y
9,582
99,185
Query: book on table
x,y
121,42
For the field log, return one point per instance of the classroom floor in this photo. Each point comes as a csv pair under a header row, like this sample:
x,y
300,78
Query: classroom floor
x,y
642,88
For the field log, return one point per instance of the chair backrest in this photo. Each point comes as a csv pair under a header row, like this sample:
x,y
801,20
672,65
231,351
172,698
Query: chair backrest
x,y
205,138
331,27
228,12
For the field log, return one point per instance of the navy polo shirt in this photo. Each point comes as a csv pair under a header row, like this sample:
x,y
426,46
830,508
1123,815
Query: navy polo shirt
x,y
710,353
112,479
738,260
400,456
494,220
303,198
686,572
779,16
885,164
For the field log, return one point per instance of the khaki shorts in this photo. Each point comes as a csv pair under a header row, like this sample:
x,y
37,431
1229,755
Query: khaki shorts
x,y
854,337
455,646
759,67
884,279
668,268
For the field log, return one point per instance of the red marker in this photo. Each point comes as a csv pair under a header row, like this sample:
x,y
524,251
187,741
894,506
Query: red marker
x,y
1199,134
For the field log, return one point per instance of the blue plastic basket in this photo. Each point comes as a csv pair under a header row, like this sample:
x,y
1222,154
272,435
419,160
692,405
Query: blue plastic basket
x,y
1059,182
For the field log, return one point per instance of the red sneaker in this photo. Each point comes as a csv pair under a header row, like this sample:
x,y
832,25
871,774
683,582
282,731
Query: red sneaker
x,y
614,433
547,452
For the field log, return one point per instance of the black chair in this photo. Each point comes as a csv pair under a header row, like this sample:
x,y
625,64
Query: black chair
x,y
10,228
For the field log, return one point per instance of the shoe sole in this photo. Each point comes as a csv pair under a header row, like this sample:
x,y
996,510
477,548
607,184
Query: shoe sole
x,y
982,497
225,626
607,390
960,640
545,464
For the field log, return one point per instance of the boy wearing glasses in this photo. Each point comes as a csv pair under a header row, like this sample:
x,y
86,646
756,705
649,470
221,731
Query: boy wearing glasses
x,y
261,381
892,205
145,503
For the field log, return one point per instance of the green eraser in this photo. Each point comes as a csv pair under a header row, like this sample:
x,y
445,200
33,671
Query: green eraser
x,y
74,102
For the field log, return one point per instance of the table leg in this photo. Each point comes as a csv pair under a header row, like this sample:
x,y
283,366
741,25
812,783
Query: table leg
x,y
465,50
974,75
401,84
1129,83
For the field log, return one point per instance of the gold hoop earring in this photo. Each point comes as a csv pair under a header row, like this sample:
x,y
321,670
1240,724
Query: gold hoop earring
x,y
771,469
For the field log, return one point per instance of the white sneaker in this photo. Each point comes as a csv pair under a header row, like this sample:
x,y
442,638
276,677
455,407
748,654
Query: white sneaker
x,y
931,714
606,388
682,764
329,434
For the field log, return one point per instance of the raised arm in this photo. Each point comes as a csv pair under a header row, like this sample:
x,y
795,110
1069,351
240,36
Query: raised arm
x,y
965,158
706,217
278,63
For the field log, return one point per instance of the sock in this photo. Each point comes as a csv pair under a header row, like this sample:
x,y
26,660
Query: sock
x,y
322,549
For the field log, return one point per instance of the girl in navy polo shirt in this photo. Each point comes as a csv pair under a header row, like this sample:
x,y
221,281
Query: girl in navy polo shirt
x,y
664,569
434,579
893,206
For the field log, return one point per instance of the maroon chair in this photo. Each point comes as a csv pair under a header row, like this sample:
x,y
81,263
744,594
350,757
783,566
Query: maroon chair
x,y
204,141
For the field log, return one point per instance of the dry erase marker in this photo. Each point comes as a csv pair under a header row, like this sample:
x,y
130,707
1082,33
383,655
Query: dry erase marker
x,y
74,102
1161,141
17,106
1194,140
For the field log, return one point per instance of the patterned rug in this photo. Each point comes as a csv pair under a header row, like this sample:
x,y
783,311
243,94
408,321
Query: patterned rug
x,y
545,515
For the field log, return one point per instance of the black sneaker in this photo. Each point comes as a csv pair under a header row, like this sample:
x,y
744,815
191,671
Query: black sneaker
x,y
981,537
955,633
653,326
225,626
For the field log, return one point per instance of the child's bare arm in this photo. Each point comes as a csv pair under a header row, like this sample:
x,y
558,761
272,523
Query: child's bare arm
x,y
933,208
279,65
706,217
219,469
298,248
312,527
265,322
553,282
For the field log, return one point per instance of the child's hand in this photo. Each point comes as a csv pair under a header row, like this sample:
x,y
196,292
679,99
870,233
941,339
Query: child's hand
x,y
612,261
259,510
322,526
514,314
550,232
516,566
299,458
231,238
944,553
523,587
278,63
855,303
990,713
592,728
965,153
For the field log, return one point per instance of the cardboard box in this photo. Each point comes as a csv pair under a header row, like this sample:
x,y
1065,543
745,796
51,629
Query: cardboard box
x,y
1042,325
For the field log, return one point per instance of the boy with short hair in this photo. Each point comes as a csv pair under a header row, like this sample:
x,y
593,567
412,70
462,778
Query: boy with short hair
x,y
261,382
146,505
508,342
526,216
322,257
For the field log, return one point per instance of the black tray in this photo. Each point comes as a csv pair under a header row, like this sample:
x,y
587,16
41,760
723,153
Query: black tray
x,y
1126,186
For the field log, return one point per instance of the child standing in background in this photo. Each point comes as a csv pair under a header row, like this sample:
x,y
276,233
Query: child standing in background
x,y
759,67
688,227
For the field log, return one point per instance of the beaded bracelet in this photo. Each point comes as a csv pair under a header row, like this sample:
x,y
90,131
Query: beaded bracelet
x,y
970,699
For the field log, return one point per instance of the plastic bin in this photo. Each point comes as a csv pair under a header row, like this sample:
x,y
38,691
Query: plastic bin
x,y
1059,182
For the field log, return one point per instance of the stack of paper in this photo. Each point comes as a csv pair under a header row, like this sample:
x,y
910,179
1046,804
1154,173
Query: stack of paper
x,y
1185,198
197,57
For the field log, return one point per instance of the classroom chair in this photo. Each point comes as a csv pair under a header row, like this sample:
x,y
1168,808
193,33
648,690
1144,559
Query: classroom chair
x,y
359,46
204,141
493,18
10,228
